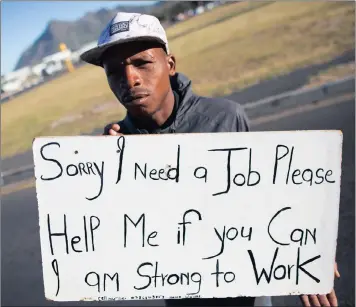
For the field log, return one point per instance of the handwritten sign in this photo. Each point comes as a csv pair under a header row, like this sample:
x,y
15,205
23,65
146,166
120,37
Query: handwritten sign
x,y
188,216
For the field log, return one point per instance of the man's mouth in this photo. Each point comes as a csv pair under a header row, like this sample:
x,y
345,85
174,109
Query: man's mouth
x,y
135,99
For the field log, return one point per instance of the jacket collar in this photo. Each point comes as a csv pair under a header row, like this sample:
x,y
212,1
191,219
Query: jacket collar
x,y
182,85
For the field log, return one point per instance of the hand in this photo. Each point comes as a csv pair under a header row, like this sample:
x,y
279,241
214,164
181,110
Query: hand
x,y
112,129
322,300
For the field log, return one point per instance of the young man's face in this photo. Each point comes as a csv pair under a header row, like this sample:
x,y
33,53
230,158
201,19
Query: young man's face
x,y
138,74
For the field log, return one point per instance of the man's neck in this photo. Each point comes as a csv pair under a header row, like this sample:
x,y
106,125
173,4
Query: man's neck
x,y
160,118
162,115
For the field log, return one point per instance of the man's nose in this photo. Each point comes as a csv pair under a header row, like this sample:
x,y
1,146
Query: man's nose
x,y
132,77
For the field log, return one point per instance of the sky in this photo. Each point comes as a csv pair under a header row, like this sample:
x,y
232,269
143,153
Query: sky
x,y
22,22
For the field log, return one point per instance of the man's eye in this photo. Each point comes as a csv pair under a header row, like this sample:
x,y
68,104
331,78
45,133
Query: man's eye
x,y
141,63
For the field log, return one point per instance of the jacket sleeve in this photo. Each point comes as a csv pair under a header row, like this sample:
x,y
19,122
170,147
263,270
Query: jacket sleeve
x,y
242,121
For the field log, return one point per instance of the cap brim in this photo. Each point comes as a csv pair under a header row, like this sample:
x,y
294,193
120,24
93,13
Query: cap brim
x,y
94,56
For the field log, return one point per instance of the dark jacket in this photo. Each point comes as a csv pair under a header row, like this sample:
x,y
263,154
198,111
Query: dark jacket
x,y
197,114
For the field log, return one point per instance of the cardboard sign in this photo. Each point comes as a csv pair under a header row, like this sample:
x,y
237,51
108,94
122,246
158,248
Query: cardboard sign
x,y
188,215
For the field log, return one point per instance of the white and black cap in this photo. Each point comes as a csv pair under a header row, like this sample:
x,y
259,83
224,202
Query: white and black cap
x,y
124,28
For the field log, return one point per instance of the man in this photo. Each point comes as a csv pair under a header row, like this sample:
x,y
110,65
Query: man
x,y
141,72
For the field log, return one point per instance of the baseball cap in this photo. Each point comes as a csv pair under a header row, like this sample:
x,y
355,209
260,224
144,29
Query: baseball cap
x,y
124,28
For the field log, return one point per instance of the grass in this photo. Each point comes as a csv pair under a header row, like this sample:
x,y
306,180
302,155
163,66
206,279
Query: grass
x,y
228,48
211,18
255,46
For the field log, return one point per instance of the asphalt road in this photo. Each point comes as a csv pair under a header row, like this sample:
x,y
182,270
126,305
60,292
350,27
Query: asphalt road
x,y
21,282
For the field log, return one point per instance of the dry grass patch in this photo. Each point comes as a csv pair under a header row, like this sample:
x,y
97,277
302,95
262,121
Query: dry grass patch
x,y
40,111
209,18
255,46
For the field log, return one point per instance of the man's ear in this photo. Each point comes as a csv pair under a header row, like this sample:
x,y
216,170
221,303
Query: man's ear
x,y
171,62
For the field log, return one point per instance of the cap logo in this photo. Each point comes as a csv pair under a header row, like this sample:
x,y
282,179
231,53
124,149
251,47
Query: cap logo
x,y
118,27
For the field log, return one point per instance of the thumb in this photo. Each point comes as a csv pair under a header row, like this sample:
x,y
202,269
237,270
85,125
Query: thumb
x,y
337,274
114,133
111,129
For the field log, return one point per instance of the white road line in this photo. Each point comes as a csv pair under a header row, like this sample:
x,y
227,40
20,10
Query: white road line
x,y
17,170
301,109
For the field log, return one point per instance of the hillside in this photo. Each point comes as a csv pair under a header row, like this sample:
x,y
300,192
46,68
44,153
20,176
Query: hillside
x,y
84,30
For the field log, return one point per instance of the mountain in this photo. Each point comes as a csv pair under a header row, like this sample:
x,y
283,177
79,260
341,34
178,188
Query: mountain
x,y
84,30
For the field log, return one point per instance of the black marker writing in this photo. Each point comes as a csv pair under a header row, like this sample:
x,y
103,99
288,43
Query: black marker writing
x,y
300,268
269,226
121,149
228,276
73,170
228,167
57,234
93,279
52,160
239,178
92,228
75,239
231,234
296,235
184,222
160,174
101,174
56,272
201,173
162,280
142,220
284,154
282,271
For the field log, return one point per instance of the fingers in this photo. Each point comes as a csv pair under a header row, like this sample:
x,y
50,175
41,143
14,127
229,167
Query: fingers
x,y
112,129
329,300
337,274
115,127
324,300
305,300
314,300
332,298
